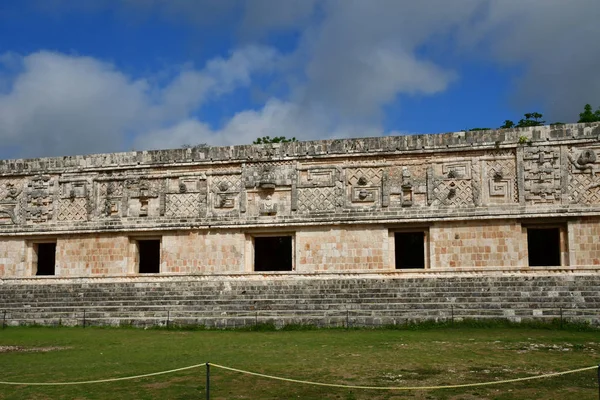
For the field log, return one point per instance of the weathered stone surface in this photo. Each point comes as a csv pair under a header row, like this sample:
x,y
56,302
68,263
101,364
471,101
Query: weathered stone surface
x,y
324,300
473,195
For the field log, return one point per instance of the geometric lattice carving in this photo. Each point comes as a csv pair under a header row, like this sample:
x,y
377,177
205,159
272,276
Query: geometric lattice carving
x,y
182,205
450,184
541,167
456,193
319,199
583,189
584,177
72,209
372,176
364,186
226,189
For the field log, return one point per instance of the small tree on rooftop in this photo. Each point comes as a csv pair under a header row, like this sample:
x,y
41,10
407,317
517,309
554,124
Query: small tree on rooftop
x,y
588,115
531,119
276,139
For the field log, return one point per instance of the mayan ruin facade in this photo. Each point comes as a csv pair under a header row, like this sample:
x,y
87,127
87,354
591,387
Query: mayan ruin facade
x,y
483,202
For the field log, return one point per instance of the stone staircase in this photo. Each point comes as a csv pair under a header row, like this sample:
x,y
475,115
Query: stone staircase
x,y
322,300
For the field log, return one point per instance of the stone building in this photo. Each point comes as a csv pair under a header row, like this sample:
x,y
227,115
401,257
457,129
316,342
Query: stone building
x,y
486,202
526,198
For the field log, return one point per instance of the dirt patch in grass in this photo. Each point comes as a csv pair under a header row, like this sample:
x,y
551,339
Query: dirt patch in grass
x,y
23,349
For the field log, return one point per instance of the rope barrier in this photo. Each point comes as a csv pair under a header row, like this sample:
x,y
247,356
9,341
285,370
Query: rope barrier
x,y
400,387
302,381
125,378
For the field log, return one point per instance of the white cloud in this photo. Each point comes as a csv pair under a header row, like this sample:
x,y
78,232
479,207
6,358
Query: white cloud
x,y
353,58
276,118
60,104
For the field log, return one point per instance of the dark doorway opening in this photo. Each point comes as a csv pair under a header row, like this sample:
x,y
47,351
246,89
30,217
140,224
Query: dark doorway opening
x,y
273,253
543,246
149,252
46,258
410,249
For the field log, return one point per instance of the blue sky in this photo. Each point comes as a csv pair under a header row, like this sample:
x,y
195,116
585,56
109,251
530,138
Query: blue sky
x,y
115,75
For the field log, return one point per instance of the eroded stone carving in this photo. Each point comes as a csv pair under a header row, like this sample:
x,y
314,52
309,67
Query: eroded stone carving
x,y
450,185
584,177
364,186
186,196
9,194
39,199
541,169
143,197
226,192
499,181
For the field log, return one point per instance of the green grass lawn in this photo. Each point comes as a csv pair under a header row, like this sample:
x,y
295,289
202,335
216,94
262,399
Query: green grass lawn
x,y
379,357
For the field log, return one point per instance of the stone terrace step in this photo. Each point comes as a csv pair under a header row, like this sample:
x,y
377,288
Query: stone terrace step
x,y
147,300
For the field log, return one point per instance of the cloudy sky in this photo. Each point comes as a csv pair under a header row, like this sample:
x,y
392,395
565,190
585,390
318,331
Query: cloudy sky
x,y
91,76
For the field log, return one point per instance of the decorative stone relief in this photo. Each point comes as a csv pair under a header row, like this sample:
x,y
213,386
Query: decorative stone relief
x,y
363,186
499,181
143,197
319,189
39,199
110,198
541,174
406,186
584,176
73,201
186,196
269,188
225,192
450,184
10,189
318,199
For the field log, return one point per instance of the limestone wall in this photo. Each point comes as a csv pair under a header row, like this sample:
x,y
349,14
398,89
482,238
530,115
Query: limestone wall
x,y
479,244
472,194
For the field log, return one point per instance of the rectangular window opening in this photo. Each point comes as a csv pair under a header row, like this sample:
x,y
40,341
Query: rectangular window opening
x,y
46,258
543,246
149,256
409,249
273,253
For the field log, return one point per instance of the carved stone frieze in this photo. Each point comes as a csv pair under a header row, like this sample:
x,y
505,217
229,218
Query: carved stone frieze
x,y
186,196
406,186
499,181
450,184
225,192
73,204
363,186
110,198
268,175
541,175
40,197
10,190
144,197
584,175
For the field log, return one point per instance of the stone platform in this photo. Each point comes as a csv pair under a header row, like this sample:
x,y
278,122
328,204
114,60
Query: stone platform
x,y
369,299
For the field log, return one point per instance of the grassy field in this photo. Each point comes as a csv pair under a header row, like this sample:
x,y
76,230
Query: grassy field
x,y
418,357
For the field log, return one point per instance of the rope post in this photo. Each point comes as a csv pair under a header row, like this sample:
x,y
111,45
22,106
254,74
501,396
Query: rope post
x,y
168,317
255,319
84,318
347,319
598,381
452,312
207,381
3,319
561,318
